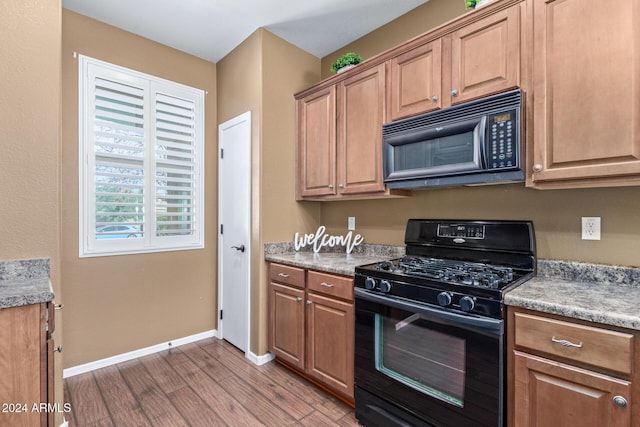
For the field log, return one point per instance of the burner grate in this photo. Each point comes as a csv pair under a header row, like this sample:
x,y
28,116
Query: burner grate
x,y
452,271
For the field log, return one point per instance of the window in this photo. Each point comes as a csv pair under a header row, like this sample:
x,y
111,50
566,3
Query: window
x,y
141,162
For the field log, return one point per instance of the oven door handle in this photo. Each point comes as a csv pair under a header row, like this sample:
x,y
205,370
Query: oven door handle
x,y
471,322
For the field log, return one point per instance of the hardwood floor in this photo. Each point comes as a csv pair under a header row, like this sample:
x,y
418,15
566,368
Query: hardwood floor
x,y
207,383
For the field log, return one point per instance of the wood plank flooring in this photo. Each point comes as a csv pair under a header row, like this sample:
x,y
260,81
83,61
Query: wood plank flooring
x,y
208,383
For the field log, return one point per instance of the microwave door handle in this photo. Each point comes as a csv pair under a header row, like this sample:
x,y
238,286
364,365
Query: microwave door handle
x,y
480,135
482,325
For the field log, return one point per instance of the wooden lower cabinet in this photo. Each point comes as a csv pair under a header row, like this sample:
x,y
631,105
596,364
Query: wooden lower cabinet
x,y
330,351
26,366
549,393
566,373
311,325
287,324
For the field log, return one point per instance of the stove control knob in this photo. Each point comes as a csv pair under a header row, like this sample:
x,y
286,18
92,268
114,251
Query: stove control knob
x,y
467,303
385,286
370,283
444,298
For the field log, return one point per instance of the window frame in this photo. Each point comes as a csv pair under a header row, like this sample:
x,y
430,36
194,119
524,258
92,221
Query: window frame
x,y
154,89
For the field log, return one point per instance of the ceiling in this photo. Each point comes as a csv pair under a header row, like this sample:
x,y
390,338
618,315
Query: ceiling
x,y
210,29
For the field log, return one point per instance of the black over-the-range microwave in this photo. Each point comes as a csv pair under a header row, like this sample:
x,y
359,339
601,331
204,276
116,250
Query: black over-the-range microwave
x,y
478,142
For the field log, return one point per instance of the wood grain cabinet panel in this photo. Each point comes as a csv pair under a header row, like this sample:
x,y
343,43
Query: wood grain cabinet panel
x,y
316,116
287,324
586,89
361,113
549,393
485,56
330,341
416,81
26,365
311,326
564,372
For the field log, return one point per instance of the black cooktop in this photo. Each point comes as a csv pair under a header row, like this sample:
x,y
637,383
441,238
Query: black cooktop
x,y
459,264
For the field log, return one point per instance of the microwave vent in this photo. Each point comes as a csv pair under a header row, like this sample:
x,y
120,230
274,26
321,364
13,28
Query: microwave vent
x,y
488,105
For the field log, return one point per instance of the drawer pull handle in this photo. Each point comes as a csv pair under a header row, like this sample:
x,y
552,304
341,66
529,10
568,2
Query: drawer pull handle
x,y
620,402
565,343
283,275
326,285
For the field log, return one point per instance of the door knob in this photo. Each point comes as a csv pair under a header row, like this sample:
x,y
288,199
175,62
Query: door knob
x,y
238,248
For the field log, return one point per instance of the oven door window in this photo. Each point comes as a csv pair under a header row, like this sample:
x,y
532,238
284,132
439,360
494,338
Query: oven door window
x,y
428,361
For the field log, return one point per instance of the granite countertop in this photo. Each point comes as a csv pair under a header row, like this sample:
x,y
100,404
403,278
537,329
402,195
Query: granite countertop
x,y
598,293
336,261
25,282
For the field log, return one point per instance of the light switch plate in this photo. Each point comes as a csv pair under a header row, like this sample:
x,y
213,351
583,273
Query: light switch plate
x,y
351,223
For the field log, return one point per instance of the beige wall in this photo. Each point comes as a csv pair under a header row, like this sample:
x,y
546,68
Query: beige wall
x,y
556,213
30,141
117,304
256,77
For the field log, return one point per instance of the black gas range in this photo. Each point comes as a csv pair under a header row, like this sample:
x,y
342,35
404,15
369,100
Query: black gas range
x,y
430,329
461,265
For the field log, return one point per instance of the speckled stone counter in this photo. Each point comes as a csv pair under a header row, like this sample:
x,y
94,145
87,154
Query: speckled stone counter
x,y
597,293
25,282
333,260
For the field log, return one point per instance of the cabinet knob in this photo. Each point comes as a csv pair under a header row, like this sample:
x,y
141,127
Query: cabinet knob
x,y
620,402
330,186
58,306
308,302
434,98
454,92
537,167
299,299
340,185
59,350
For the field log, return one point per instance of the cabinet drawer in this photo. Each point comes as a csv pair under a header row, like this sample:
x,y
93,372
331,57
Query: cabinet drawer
x,y
284,274
595,346
328,284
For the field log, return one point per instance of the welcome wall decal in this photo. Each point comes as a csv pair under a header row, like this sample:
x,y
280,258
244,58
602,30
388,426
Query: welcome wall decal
x,y
320,240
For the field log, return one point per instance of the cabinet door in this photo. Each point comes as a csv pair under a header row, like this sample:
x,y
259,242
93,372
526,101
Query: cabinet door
x,y
587,90
317,143
416,81
485,56
361,113
22,336
286,311
330,350
549,393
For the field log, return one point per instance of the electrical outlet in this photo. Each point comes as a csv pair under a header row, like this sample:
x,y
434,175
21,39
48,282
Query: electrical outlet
x,y
590,228
351,223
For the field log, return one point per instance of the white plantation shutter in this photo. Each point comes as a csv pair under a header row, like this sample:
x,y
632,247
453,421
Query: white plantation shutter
x,y
175,166
141,159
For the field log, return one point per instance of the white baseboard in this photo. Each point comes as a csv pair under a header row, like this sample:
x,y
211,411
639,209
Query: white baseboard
x,y
259,360
91,366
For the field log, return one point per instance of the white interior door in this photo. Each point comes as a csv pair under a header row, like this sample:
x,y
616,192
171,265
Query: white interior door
x,y
234,196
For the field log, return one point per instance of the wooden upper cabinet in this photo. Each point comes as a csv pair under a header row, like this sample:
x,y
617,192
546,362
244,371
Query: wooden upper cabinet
x,y
587,94
416,81
478,59
361,113
317,143
485,56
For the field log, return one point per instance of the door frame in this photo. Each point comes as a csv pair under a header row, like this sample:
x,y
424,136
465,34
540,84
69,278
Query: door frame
x,y
238,120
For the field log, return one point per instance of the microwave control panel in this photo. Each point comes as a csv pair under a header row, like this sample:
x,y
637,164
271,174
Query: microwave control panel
x,y
502,140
